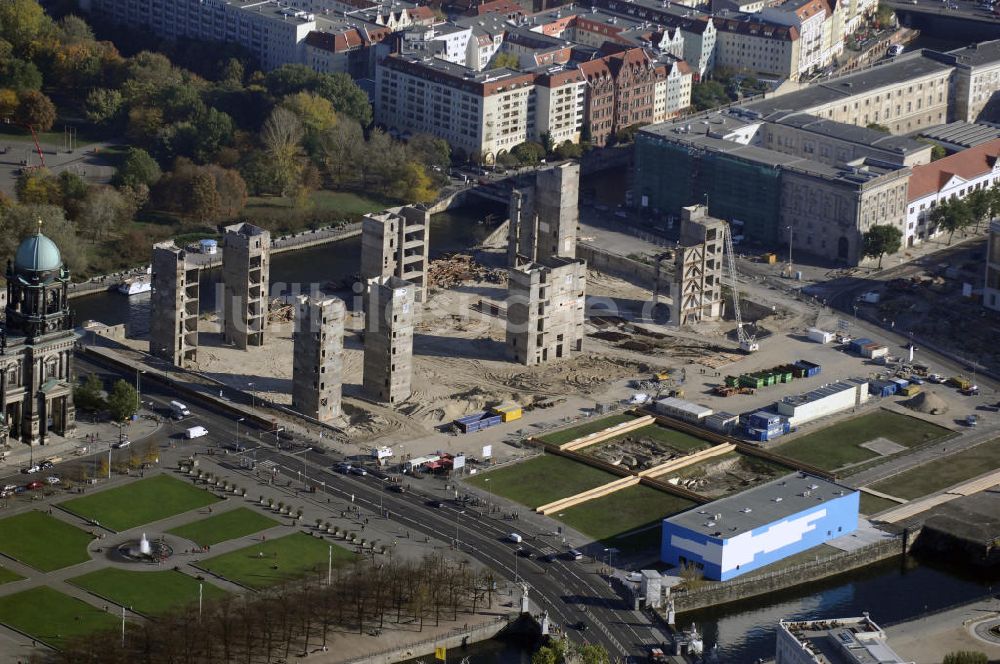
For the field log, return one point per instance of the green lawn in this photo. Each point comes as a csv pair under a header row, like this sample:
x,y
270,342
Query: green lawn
x,y
52,617
679,441
295,555
140,502
937,475
54,138
592,426
839,445
623,511
6,576
42,541
226,526
148,593
322,201
873,504
541,480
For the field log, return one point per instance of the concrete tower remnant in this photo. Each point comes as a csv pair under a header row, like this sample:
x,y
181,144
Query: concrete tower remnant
x,y
698,266
395,243
544,216
173,327
390,304
317,358
545,310
246,269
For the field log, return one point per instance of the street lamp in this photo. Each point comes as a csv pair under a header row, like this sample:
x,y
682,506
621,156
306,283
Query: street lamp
x,y
138,392
458,513
517,554
253,402
238,448
489,502
791,232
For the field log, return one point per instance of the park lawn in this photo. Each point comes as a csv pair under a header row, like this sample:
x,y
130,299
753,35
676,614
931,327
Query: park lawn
x,y
623,511
6,576
54,138
43,542
148,593
136,503
52,617
678,440
589,427
295,555
322,201
226,526
541,480
840,445
941,474
874,504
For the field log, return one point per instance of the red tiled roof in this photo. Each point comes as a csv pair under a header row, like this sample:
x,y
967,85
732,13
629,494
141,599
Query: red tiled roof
x,y
967,164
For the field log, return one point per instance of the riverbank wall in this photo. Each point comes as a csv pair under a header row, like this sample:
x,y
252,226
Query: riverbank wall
x,y
632,271
714,594
457,638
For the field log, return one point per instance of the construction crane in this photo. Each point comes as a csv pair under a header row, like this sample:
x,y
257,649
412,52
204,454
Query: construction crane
x,y
34,137
748,342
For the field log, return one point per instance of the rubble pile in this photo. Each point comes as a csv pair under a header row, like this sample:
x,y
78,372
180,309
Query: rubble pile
x,y
459,269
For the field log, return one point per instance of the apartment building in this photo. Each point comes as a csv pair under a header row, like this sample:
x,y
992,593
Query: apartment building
x,y
950,178
758,48
560,97
275,34
673,93
482,113
820,27
595,27
621,89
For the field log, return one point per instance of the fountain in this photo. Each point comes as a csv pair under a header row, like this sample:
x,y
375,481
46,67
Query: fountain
x,y
144,550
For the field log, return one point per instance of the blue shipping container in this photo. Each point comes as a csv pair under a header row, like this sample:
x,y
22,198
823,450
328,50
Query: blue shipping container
x,y
811,368
858,344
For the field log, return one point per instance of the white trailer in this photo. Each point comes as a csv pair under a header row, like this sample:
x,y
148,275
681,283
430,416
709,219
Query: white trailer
x,y
819,336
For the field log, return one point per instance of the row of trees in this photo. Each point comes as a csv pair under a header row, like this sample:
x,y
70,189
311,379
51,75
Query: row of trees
x,y
298,617
959,214
121,403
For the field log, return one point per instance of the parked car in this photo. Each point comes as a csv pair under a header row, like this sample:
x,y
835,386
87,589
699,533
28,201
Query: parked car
x,y
343,468
972,420
47,464
31,469
549,557
398,488
122,444
358,470
52,479
435,503
524,553
31,486
935,378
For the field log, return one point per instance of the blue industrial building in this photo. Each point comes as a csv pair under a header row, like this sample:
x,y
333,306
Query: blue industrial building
x,y
762,525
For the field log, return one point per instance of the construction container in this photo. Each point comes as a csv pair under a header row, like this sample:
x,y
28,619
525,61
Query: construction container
x,y
477,422
732,381
875,351
808,369
910,390
858,344
961,382
508,412
900,382
770,259
722,422
763,419
819,336
751,380
883,388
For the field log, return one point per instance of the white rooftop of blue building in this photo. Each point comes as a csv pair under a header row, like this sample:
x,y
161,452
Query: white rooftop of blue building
x,y
748,530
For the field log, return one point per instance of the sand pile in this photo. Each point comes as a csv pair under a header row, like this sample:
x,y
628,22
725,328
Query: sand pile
x,y
928,403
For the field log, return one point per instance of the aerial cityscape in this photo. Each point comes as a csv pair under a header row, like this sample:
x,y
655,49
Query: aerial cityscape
x,y
500,331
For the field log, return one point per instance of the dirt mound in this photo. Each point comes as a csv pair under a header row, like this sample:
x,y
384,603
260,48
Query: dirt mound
x,y
927,402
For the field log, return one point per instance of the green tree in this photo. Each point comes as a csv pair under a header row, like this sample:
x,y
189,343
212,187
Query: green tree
x,y
102,105
87,396
627,134
123,402
965,657
290,79
73,189
22,22
505,60
594,654
528,153
544,655
569,150
73,29
881,239
708,94
37,110
938,152
994,193
885,16
879,127
348,99
951,215
20,75
434,153
137,168
339,151
979,205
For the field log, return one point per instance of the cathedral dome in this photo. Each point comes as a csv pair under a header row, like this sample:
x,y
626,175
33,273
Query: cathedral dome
x,y
37,254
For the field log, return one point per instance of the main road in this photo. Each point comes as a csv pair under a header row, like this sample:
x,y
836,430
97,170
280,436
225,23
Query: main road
x,y
574,595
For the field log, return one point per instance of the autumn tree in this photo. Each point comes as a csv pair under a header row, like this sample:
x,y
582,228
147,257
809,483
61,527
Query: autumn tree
x,y
104,213
37,110
102,106
281,137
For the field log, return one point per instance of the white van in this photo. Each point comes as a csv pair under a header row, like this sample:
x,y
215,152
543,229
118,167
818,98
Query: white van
x,y
179,410
195,432
515,538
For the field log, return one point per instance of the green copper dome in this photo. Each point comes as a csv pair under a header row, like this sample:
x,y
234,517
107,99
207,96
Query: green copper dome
x,y
37,254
